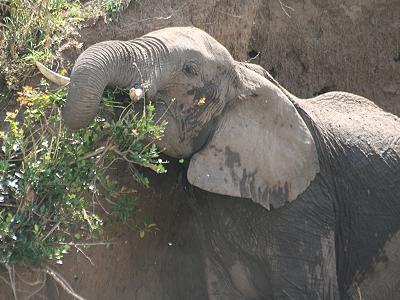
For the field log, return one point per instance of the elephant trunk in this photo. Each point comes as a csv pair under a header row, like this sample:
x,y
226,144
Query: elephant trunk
x,y
114,63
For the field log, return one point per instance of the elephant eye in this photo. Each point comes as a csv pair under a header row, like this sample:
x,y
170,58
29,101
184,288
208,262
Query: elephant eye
x,y
190,69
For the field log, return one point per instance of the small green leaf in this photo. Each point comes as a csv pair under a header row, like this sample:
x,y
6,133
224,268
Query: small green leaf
x,y
181,161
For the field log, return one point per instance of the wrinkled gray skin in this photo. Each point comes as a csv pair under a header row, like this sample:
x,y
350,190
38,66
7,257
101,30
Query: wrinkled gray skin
x,y
328,166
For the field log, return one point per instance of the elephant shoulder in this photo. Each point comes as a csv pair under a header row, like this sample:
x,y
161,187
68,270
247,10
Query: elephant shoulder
x,y
354,121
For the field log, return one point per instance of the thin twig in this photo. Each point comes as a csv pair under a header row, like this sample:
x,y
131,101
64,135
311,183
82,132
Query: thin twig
x,y
84,254
110,164
38,281
84,244
89,155
11,275
285,7
51,230
155,18
108,146
8,205
9,284
121,154
64,284
35,293
109,201
96,199
5,281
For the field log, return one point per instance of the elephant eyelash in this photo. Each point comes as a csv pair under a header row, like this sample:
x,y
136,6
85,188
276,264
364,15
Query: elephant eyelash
x,y
190,69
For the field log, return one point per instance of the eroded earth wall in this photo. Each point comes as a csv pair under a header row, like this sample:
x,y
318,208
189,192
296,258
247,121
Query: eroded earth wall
x,y
309,46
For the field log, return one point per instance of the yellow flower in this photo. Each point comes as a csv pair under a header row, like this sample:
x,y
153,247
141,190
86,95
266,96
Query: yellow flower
x,y
11,115
27,88
62,72
24,101
2,134
201,101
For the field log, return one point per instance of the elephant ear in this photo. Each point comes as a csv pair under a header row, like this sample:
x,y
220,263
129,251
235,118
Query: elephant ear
x,y
261,149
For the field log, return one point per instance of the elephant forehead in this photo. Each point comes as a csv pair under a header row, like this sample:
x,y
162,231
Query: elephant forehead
x,y
193,40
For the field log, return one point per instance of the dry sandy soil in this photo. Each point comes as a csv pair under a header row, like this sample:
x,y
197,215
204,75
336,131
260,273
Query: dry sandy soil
x,y
309,46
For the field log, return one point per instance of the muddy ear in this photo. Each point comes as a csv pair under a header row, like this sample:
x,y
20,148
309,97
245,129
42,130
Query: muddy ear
x,y
261,149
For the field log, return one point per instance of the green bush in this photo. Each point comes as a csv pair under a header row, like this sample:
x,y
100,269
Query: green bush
x,y
112,8
30,31
52,180
54,183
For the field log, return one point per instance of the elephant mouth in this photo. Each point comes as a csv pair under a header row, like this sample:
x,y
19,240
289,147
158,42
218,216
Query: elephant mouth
x,y
182,137
161,108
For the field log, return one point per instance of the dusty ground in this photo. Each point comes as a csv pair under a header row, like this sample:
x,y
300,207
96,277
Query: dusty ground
x,y
310,46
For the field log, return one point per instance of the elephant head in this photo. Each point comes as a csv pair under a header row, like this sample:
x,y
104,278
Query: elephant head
x,y
243,135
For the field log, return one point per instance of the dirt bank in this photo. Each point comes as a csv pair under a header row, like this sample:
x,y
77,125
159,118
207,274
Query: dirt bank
x,y
310,46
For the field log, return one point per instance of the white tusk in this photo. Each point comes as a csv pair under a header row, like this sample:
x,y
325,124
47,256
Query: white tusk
x,y
52,76
135,94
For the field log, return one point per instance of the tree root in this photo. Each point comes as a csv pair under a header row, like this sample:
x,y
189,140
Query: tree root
x,y
13,276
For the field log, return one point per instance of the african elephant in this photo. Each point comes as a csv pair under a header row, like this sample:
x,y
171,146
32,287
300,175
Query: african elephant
x,y
323,173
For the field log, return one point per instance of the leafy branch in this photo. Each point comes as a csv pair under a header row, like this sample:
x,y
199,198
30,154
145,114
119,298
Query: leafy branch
x,y
53,182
